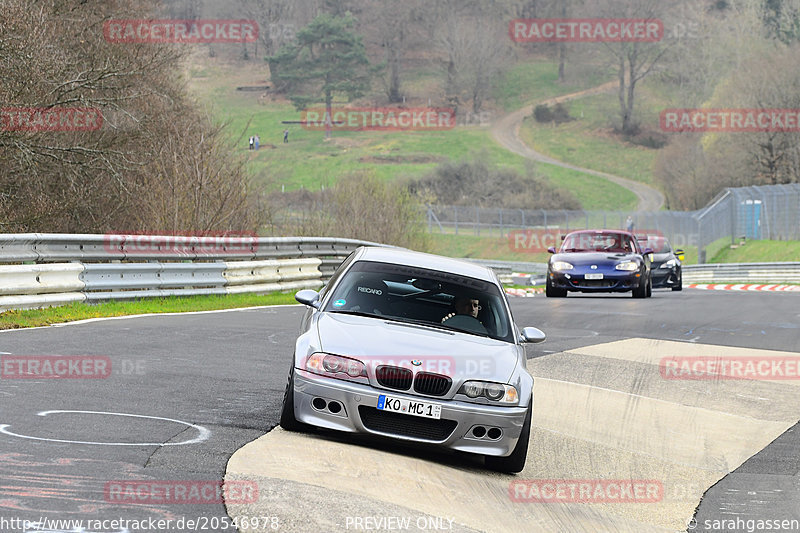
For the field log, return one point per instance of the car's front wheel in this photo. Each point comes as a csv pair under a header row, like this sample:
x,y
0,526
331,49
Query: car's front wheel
x,y
516,461
553,292
679,286
288,421
640,291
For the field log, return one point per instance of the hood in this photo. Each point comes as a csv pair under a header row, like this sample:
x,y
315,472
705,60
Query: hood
x,y
594,258
379,341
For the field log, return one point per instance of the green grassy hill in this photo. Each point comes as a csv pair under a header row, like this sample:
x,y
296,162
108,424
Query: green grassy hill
x,y
310,162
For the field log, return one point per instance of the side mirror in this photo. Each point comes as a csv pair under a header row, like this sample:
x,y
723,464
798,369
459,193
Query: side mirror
x,y
680,254
647,251
308,297
552,250
533,335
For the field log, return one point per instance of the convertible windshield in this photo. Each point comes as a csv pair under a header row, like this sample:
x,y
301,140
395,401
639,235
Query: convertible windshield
x,y
424,297
598,242
659,245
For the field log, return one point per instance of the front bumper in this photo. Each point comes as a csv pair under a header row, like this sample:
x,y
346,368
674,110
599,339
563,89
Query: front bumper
x,y
360,415
664,277
613,281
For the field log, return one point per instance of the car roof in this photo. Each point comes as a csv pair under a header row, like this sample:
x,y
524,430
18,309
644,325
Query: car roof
x,y
403,256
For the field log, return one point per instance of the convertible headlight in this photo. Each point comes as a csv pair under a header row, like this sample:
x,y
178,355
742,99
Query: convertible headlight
x,y
558,266
669,264
336,366
496,392
628,266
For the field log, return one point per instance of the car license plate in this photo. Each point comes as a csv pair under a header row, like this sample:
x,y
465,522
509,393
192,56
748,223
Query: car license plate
x,y
598,275
409,407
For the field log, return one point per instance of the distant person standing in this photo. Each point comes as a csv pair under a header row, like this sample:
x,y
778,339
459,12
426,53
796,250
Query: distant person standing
x,y
629,223
257,141
252,142
286,136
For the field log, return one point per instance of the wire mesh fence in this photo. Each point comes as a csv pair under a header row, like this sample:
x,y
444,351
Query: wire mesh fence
x,y
757,212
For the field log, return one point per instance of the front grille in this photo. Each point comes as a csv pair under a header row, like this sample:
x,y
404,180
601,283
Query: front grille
x,y
406,425
394,377
432,384
595,283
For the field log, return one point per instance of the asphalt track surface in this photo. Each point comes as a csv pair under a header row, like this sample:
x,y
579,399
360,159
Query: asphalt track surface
x,y
202,386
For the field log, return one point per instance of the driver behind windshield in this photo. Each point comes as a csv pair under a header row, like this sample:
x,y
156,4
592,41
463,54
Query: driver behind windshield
x,y
464,306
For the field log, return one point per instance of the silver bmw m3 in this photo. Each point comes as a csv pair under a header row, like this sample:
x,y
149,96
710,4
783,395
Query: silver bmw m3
x,y
415,347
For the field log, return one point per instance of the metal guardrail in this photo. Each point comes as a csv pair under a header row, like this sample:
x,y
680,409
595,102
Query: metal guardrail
x,y
57,247
788,272
509,267
62,268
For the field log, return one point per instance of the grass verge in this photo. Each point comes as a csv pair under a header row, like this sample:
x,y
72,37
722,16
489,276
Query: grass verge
x,y
29,318
759,252
502,249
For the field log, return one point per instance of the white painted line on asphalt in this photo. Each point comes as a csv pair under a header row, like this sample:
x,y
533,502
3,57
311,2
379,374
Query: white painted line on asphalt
x,y
102,318
203,433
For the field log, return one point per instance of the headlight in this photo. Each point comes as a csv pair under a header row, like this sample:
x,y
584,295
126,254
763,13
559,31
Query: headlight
x,y
496,392
558,266
336,366
628,266
669,264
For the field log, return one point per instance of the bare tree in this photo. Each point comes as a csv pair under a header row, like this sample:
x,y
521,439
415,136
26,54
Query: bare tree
x,y
392,28
104,179
475,53
770,157
275,22
634,61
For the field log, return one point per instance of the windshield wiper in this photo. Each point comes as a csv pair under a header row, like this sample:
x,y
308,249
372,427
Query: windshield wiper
x,y
356,313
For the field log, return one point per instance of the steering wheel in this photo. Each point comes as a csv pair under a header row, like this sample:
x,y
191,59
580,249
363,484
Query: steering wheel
x,y
467,323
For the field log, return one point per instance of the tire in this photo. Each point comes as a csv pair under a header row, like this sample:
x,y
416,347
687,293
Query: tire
x,y
552,292
679,286
649,287
640,291
288,420
515,462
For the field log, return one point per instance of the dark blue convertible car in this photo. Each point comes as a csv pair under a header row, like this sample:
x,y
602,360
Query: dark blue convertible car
x,y
599,261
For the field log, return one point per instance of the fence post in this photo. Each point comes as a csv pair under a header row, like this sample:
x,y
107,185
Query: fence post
x,y
501,220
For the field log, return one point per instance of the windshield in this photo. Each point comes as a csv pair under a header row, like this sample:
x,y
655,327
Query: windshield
x,y
598,242
421,296
659,245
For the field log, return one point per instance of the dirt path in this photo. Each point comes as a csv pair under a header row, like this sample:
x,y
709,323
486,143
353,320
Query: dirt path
x,y
506,132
